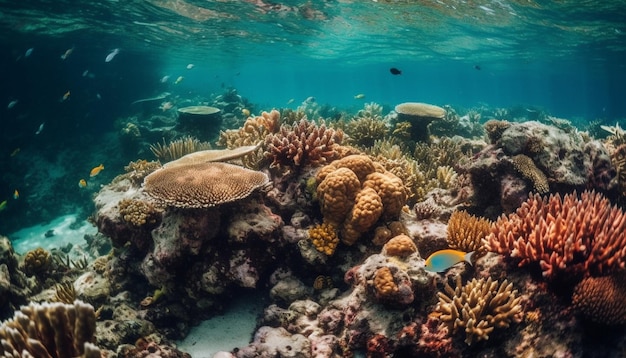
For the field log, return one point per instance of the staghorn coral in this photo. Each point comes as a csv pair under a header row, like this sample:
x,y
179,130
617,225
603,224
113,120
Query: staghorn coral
x,y
302,144
137,171
601,299
446,177
202,185
479,307
527,168
400,246
54,330
563,234
444,152
177,148
37,262
466,232
139,212
324,238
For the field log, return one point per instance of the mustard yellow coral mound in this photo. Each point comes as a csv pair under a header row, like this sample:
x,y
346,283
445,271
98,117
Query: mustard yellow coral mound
x,y
366,211
324,238
479,307
360,165
527,168
37,261
466,232
138,212
336,194
400,246
391,191
384,284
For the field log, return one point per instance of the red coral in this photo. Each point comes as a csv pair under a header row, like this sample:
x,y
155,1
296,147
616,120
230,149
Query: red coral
x,y
564,234
379,346
302,144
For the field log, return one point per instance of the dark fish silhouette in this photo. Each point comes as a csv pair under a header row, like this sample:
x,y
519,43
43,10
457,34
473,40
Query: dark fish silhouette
x,y
395,71
477,67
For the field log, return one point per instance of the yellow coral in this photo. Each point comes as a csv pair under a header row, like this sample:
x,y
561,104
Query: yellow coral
x,y
361,165
466,232
324,238
391,191
138,212
37,261
336,193
384,284
368,207
401,246
527,168
478,307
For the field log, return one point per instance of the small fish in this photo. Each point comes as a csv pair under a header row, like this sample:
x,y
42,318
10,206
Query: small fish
x,y
66,96
28,52
477,67
82,183
95,171
16,194
165,106
3,205
291,101
359,96
85,73
12,104
98,96
40,128
190,66
112,55
67,53
245,112
394,71
164,79
179,80
442,260
15,151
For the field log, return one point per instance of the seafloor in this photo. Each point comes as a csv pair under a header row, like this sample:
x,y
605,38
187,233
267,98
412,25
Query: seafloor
x,y
328,219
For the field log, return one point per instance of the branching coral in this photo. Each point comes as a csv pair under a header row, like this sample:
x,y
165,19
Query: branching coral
x,y
563,234
467,232
602,299
54,330
479,307
362,132
302,144
64,292
139,212
177,148
527,168
324,238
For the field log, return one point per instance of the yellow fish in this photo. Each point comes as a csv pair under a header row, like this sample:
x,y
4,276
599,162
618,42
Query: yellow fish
x,y
245,112
95,171
3,205
82,183
359,96
442,260
16,194
179,80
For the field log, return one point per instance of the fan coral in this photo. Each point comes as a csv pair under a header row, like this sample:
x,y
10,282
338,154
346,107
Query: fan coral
x,y
324,238
202,185
37,261
601,299
401,246
479,307
139,212
53,330
177,148
466,232
563,234
527,168
302,144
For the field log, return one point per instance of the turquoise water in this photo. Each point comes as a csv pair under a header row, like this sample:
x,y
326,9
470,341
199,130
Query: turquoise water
x,y
565,58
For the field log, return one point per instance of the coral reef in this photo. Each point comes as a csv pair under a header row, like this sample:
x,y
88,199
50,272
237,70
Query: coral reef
x,y
138,170
139,213
479,307
400,246
177,148
527,168
466,232
324,238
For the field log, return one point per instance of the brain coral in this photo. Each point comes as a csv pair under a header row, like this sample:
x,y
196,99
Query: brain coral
x,y
478,307
336,194
367,208
401,246
202,185
563,234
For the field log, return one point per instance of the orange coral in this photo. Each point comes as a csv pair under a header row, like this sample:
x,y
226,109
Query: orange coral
x,y
324,238
391,190
401,246
336,194
601,299
563,234
367,208
466,232
384,285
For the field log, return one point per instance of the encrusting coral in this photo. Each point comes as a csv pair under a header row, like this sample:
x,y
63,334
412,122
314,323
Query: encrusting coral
x,y
324,238
479,307
466,232
384,284
139,212
527,168
54,330
563,234
37,261
602,299
137,171
202,185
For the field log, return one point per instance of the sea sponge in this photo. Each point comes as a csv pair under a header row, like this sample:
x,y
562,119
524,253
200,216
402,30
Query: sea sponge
x,y
139,212
202,185
478,307
391,191
53,330
527,168
367,209
37,262
336,194
400,246
467,232
324,238
602,299
384,286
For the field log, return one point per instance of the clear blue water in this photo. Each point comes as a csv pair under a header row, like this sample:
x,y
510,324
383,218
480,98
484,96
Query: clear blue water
x,y
565,57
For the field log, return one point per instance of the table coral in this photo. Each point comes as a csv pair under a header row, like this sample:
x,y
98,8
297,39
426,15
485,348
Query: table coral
x,y
324,238
420,115
479,307
602,299
563,234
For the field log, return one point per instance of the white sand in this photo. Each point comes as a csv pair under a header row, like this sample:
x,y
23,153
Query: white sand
x,y
232,330
33,237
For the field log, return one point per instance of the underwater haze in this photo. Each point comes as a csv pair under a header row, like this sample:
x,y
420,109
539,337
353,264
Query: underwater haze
x,y
565,58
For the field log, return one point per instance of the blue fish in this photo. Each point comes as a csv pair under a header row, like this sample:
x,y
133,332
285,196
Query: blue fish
x,y
442,260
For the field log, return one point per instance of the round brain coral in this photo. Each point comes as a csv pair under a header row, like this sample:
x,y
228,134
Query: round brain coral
x,y
391,191
336,194
202,185
361,165
367,209
401,246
